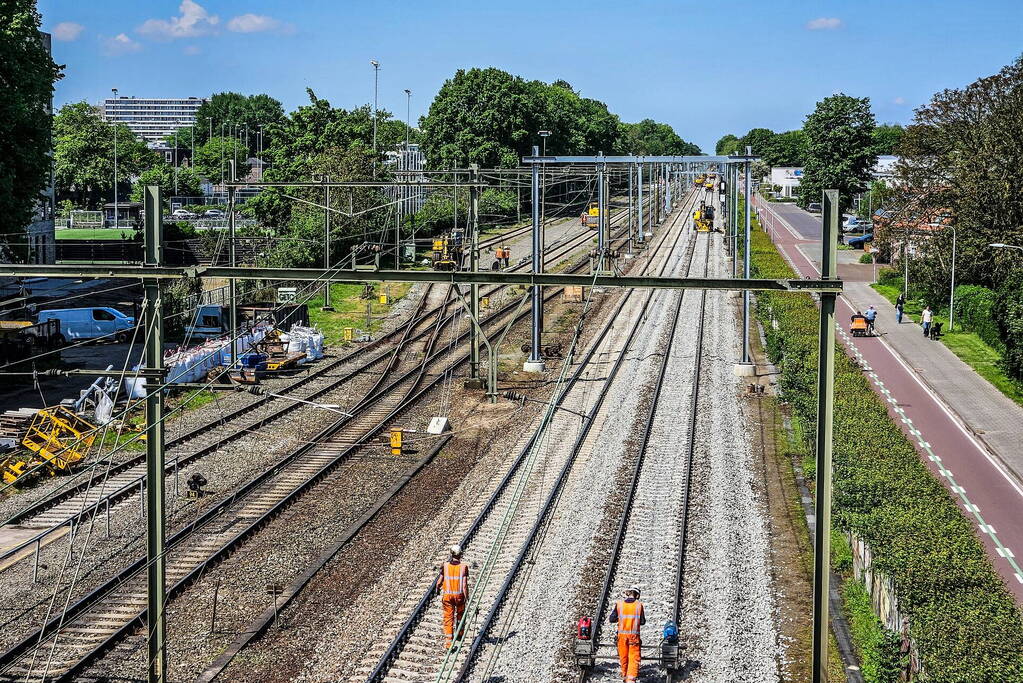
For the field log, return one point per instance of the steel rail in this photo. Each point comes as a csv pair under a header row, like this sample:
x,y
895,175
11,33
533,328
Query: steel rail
x,y
557,251
84,604
397,644
542,516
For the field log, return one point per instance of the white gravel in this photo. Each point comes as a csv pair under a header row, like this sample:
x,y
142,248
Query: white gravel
x,y
728,617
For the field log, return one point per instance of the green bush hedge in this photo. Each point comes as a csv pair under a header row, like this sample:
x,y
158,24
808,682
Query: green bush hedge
x,y
973,313
878,648
963,618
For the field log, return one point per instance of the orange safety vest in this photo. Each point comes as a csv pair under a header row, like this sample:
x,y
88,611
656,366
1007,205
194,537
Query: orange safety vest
x,y
455,576
628,617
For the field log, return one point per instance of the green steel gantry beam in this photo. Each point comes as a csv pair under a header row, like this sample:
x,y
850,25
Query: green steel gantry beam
x,y
457,277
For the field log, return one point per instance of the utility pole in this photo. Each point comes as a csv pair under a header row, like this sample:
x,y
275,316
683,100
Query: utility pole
x,y
602,259
326,242
535,362
639,203
156,567
825,411
232,285
474,259
632,237
543,192
746,358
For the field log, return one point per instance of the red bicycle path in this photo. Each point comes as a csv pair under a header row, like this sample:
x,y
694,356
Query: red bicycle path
x,y
983,487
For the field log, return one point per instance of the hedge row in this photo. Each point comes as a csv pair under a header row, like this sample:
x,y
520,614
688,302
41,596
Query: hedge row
x,y
879,648
974,313
962,617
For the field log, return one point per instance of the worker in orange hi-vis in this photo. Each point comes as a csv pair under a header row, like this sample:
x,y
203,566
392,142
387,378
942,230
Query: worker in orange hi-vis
x,y
453,584
629,615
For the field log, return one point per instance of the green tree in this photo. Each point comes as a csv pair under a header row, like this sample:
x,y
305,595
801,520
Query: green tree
x,y
786,149
962,158
658,139
27,74
888,138
182,138
188,182
839,149
230,111
482,116
727,144
215,156
84,155
761,140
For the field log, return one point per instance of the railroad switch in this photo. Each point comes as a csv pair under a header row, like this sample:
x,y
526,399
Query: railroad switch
x,y
195,486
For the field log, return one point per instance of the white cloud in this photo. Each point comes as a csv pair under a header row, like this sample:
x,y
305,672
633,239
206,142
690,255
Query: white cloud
x,y
194,21
899,100
253,23
67,31
192,50
823,23
120,45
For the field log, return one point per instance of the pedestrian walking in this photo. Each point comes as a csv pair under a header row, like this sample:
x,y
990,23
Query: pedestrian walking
x,y
925,319
629,615
453,584
898,313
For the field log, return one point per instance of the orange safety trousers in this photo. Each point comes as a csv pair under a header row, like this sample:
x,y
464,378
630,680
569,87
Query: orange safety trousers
x,y
628,655
454,608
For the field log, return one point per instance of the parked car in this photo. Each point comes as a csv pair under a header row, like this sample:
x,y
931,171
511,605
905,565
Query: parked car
x,y
91,323
854,224
182,214
814,207
213,213
858,242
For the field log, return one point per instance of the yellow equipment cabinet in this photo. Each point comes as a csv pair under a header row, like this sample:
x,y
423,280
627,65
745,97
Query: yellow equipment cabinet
x,y
396,437
56,437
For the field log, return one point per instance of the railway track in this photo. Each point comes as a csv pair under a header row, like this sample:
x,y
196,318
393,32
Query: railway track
x,y
98,493
96,622
648,548
505,529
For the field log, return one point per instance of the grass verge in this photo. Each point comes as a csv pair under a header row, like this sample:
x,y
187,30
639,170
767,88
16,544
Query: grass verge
x,y
350,309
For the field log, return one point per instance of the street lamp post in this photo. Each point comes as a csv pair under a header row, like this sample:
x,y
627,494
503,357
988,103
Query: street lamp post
x,y
114,90
222,156
408,116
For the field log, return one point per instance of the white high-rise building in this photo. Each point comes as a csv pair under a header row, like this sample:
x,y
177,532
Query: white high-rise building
x,y
152,118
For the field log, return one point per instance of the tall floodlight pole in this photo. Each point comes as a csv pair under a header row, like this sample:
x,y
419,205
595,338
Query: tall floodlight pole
x,y
746,263
176,161
191,140
825,412
408,116
376,81
114,90
535,362
156,566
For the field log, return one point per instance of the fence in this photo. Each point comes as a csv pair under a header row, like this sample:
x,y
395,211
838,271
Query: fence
x,y
884,600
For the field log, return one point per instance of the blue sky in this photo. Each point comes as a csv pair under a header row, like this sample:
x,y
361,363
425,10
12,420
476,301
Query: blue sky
x,y
707,68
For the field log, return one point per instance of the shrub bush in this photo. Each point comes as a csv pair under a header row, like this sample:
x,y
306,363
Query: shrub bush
x,y
1007,312
962,617
974,313
878,647
867,258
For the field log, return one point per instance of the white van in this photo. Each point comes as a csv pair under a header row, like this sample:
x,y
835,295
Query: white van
x,y
90,323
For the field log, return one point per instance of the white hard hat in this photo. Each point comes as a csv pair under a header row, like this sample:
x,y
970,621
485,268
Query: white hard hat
x,y
633,589
456,551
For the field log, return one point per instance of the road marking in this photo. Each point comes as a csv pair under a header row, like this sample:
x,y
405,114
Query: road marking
x,y
987,529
